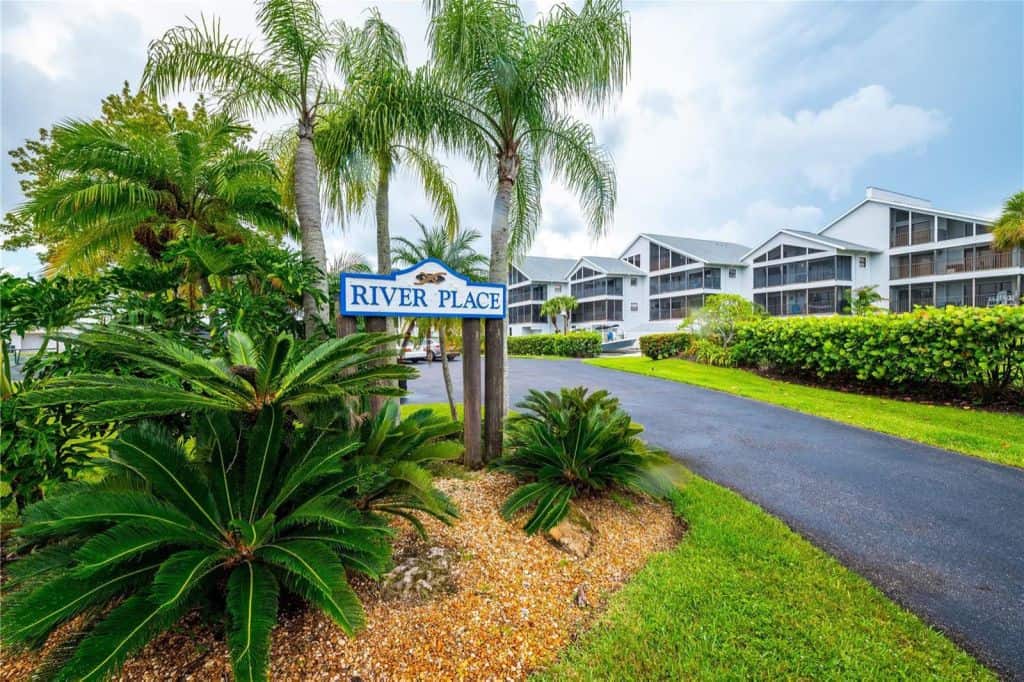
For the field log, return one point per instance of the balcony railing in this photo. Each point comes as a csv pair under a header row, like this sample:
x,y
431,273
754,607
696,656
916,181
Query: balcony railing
x,y
922,269
990,260
993,260
921,235
899,237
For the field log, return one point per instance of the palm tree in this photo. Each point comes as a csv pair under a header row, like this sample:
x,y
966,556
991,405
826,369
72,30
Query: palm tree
x,y
511,87
560,305
248,379
457,253
1008,231
120,188
380,126
289,76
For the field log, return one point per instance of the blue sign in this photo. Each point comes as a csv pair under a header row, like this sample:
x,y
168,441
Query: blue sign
x,y
428,289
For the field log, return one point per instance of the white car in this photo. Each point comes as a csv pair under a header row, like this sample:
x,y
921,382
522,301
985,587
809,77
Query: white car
x,y
432,348
411,354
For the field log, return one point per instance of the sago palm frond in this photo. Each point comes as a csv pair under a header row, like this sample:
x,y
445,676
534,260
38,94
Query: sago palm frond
x,y
275,372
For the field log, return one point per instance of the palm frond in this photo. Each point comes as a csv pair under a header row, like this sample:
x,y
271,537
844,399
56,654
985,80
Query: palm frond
x,y
252,608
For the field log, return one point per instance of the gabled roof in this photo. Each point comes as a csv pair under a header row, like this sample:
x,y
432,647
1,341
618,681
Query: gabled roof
x,y
707,250
610,266
817,239
540,269
830,241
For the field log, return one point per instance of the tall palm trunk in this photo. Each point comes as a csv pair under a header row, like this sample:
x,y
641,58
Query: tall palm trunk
x,y
442,339
383,225
495,365
384,239
307,205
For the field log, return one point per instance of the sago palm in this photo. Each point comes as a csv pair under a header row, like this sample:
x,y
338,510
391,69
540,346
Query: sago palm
x,y
261,514
290,75
1008,230
393,463
380,126
125,187
249,378
458,252
569,443
511,88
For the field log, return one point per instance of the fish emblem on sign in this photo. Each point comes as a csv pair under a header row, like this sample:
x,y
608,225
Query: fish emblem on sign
x,y
429,278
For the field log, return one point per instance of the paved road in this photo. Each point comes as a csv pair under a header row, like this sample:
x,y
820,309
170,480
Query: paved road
x,y
941,533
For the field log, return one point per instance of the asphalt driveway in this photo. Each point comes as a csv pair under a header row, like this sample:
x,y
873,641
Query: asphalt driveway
x,y
941,533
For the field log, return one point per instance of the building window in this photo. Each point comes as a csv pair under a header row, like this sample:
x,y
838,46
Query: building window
x,y
790,251
632,281
899,227
762,258
634,307
558,288
775,254
633,260
921,225
862,261
732,273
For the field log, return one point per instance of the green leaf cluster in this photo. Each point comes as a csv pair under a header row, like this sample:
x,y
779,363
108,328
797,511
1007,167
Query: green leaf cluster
x,y
573,443
661,346
234,479
571,345
975,351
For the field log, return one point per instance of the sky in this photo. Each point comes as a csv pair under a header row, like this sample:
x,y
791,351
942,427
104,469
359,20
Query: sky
x,y
738,118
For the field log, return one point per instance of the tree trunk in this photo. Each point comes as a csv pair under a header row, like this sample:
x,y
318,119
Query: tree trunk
x,y
448,387
383,226
495,361
384,235
307,205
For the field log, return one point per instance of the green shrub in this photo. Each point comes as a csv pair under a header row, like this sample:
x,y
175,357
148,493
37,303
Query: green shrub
x,y
976,351
569,443
710,352
661,346
571,345
267,513
255,474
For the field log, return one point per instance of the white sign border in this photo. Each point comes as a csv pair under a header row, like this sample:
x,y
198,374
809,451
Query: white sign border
x,y
393,277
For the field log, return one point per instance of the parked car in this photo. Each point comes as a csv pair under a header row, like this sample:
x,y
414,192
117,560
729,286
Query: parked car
x,y
432,347
412,353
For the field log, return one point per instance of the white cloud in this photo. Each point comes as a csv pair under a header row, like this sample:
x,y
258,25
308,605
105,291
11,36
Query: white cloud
x,y
828,146
738,119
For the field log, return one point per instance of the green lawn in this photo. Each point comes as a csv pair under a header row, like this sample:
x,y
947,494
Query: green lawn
x,y
744,597
993,436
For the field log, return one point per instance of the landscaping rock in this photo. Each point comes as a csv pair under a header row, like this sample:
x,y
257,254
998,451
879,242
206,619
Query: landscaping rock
x,y
579,597
421,576
574,534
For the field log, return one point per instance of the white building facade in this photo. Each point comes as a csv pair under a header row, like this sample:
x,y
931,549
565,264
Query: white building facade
x,y
531,282
911,252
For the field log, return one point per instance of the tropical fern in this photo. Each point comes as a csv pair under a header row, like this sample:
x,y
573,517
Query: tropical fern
x,y
262,511
571,443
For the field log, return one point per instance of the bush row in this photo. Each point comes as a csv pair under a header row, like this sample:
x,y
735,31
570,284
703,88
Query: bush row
x,y
571,345
661,346
978,350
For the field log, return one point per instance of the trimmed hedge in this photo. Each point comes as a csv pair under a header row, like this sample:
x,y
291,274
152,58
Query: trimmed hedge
x,y
571,345
661,346
979,350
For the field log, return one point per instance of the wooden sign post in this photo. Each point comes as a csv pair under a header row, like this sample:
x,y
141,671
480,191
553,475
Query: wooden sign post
x,y
471,393
431,289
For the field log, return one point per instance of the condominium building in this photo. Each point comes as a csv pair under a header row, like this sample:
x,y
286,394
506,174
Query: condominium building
x,y
532,281
610,292
680,273
911,252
